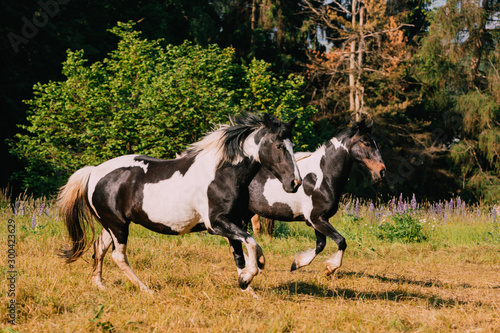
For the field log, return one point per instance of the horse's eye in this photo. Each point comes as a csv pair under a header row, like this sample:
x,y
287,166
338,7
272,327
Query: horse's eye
x,y
280,146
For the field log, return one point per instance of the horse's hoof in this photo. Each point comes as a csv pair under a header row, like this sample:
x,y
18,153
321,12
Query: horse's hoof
x,y
261,263
329,271
294,266
243,284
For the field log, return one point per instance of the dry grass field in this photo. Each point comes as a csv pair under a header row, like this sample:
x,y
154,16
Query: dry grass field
x,y
446,283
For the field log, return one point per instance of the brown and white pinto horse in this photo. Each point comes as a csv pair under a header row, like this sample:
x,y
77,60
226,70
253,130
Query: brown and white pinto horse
x,y
325,173
204,189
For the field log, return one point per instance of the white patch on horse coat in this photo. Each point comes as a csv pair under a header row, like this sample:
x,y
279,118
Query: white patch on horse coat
x,y
338,144
181,202
299,202
274,193
109,166
302,154
289,146
312,164
251,148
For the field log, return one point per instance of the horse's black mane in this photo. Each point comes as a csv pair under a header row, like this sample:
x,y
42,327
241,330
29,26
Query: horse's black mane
x,y
359,127
232,137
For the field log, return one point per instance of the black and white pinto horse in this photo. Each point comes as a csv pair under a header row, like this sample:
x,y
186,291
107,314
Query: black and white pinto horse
x,y
325,172
204,189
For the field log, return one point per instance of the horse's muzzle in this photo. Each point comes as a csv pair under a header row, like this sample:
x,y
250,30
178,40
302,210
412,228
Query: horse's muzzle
x,y
378,175
293,186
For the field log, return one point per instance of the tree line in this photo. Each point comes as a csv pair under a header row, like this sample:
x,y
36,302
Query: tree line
x,y
427,76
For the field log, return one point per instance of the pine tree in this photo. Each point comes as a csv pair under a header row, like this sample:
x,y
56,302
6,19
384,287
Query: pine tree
x,y
459,68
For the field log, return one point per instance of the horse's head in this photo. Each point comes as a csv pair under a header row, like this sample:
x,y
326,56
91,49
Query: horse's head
x,y
364,150
276,152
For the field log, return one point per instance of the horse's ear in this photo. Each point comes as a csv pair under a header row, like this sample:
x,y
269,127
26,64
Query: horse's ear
x,y
292,122
363,126
269,122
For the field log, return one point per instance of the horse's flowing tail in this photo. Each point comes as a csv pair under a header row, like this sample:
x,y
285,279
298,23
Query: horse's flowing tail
x,y
76,214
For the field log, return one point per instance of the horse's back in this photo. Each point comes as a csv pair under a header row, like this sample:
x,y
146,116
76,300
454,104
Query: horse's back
x,y
163,195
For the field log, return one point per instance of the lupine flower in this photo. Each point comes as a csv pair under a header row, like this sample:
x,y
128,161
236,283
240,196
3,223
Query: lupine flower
x,y
459,203
33,221
439,207
347,208
357,207
413,202
372,207
42,206
392,206
451,205
494,212
16,207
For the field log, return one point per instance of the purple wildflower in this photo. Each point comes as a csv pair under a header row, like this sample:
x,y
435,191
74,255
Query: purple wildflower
x,y
400,204
347,208
494,212
16,207
392,206
42,206
33,221
459,203
439,207
357,207
413,202
372,207
450,206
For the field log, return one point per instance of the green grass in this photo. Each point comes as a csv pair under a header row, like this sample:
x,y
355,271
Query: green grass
x,y
447,283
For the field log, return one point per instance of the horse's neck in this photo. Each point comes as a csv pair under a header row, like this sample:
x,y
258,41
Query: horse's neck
x,y
241,173
338,165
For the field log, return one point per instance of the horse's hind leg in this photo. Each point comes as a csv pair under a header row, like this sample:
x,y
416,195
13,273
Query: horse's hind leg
x,y
101,246
119,256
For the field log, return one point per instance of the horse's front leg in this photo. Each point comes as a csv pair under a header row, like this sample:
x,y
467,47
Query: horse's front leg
x,y
240,256
248,267
304,258
334,261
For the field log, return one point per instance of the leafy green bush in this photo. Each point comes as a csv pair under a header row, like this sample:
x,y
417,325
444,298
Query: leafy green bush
x,y
403,228
148,99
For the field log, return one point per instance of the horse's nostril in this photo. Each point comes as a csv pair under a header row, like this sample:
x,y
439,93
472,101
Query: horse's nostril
x,y
382,173
296,183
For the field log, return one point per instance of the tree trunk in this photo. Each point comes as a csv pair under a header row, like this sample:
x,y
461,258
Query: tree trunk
x,y
352,64
359,89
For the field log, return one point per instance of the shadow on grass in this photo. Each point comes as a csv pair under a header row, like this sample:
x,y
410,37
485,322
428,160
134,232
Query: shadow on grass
x,y
397,294
401,280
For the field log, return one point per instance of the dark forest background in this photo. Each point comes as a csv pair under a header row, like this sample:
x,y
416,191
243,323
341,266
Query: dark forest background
x,y
427,74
